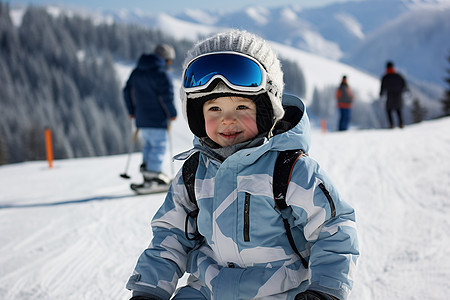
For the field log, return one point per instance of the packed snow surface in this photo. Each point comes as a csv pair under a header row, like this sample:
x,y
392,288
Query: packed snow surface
x,y
75,231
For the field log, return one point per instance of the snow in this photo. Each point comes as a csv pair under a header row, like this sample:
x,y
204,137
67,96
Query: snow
x,y
416,41
351,24
321,72
75,231
200,16
258,14
17,16
288,15
182,29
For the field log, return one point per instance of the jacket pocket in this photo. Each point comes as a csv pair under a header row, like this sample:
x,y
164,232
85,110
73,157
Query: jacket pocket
x,y
247,217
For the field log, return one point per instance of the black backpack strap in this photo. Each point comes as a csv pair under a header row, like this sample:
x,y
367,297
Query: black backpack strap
x,y
281,177
188,173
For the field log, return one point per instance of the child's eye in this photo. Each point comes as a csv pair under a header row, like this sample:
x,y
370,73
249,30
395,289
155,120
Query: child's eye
x,y
214,108
242,107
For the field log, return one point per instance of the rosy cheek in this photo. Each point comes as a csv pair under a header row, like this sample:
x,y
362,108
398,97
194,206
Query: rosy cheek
x,y
210,124
249,122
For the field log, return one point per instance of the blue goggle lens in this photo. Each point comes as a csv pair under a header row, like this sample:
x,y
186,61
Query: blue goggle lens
x,y
240,71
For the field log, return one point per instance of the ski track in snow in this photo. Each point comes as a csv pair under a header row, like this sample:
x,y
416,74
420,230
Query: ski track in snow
x,y
76,231
79,246
401,217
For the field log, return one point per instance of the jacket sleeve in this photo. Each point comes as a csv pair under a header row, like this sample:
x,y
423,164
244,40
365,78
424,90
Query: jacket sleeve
x,y
167,97
350,93
128,97
382,86
161,265
338,94
328,225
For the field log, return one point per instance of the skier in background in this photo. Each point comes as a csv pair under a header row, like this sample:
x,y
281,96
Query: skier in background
x,y
344,98
149,100
393,85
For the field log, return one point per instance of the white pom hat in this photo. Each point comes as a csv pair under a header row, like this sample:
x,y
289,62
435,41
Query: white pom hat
x,y
165,51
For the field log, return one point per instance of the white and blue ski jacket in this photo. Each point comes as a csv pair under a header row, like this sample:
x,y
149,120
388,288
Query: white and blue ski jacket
x,y
244,252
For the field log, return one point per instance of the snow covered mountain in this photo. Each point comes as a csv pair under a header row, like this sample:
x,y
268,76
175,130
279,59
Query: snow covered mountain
x,y
418,42
360,33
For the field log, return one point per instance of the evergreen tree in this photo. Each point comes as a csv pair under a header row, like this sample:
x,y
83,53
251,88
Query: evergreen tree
x,y
35,143
3,154
314,106
418,111
323,102
293,78
446,101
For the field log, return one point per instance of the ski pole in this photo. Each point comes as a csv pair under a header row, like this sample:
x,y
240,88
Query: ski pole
x,y
130,150
171,148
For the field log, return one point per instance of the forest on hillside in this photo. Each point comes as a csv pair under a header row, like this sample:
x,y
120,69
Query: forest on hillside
x,y
57,72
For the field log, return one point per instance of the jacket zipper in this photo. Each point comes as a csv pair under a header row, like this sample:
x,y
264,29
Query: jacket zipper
x,y
330,200
247,218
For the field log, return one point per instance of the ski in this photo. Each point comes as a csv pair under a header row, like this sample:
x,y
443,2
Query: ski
x,y
143,189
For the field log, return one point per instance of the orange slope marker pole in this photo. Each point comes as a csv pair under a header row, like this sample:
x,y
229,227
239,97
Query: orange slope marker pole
x,y
323,125
49,147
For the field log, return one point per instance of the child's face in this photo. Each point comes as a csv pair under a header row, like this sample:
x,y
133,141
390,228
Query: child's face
x,y
230,120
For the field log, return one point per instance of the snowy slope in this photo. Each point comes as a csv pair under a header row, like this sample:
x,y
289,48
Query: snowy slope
x,y
75,231
321,72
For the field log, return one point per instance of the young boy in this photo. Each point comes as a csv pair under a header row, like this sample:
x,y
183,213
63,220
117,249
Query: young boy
x,y
238,247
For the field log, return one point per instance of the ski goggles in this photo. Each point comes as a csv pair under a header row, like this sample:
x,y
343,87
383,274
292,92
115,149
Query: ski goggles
x,y
238,71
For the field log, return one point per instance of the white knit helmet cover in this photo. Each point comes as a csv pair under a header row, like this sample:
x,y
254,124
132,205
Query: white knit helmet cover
x,y
247,43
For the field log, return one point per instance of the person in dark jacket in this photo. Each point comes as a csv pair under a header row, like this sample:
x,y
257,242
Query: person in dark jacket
x,y
344,98
149,100
393,85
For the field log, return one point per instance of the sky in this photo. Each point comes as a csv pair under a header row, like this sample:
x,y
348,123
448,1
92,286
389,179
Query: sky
x,y
175,6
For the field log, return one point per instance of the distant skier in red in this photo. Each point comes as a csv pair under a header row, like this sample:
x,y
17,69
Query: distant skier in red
x,y
393,85
344,96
